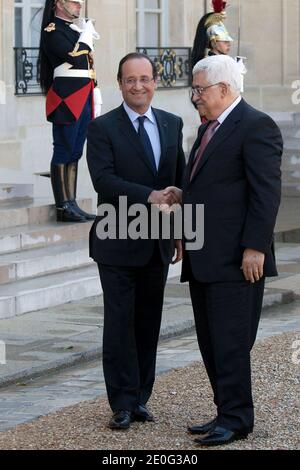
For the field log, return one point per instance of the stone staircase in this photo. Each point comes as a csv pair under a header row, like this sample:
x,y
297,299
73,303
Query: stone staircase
x,y
42,263
290,127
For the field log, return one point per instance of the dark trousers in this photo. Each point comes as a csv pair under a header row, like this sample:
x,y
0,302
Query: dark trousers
x,y
227,316
69,139
133,302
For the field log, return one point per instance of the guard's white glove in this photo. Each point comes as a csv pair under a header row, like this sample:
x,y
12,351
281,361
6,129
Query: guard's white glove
x,y
87,32
78,25
241,65
243,70
97,102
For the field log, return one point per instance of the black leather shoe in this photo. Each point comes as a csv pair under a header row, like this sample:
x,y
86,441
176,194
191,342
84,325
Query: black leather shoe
x,y
81,212
67,213
141,413
202,428
120,420
221,436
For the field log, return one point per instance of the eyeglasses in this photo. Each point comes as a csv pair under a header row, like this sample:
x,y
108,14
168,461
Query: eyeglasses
x,y
199,90
134,81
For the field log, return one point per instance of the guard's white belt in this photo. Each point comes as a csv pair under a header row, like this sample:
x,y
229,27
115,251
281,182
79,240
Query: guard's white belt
x,y
65,70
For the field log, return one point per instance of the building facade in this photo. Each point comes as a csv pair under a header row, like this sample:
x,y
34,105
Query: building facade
x,y
269,38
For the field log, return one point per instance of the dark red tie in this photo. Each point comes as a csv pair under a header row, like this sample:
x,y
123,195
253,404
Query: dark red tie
x,y
210,130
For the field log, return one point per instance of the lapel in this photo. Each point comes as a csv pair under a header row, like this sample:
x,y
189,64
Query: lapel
x,y
163,129
221,134
127,128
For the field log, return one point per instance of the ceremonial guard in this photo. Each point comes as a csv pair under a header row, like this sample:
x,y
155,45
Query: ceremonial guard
x,y
212,37
68,80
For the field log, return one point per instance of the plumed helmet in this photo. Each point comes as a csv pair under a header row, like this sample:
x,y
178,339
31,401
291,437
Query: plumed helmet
x,y
218,32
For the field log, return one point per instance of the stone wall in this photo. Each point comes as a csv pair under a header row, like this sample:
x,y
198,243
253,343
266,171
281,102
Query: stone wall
x,y
269,39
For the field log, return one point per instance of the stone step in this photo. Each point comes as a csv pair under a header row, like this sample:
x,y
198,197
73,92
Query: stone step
x,y
48,291
28,237
39,211
283,119
40,262
296,119
52,290
290,132
290,152
292,143
286,119
13,192
291,190
291,160
288,220
291,176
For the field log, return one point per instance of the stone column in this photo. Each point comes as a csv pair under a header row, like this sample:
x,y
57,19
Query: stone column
x,y
116,24
2,82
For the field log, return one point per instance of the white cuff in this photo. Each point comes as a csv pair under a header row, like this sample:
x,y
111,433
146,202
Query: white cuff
x,y
97,102
86,37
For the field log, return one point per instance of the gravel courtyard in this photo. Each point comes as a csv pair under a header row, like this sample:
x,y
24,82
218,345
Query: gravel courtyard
x,y
181,397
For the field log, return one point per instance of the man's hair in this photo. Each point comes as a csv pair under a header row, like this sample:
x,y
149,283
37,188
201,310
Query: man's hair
x,y
221,68
136,55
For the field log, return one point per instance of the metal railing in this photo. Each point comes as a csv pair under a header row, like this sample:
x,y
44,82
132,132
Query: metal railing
x,y
173,65
26,71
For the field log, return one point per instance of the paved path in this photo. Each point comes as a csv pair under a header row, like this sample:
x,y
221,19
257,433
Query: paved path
x,y
26,402
47,340
56,337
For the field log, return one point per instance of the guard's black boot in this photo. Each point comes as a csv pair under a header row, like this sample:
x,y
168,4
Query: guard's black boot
x,y
64,210
72,169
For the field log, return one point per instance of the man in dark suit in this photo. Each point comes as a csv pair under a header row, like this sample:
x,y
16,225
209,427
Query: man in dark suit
x,y
134,151
234,170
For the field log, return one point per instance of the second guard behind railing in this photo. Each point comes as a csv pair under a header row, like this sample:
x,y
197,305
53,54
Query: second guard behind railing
x,y
212,38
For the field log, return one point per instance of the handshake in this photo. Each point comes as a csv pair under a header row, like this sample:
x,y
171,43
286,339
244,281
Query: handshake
x,y
86,30
166,198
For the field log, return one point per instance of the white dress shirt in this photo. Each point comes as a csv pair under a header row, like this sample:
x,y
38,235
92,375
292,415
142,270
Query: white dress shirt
x,y
222,118
151,128
227,111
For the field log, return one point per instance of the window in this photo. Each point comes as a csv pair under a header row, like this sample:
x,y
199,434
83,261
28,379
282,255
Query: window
x,y
152,23
28,18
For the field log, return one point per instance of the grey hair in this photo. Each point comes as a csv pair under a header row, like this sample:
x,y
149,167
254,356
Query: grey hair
x,y
221,68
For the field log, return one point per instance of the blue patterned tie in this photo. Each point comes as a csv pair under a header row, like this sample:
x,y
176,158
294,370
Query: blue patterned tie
x,y
146,143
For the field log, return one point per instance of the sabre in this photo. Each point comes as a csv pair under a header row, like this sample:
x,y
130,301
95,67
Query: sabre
x,y
239,28
86,13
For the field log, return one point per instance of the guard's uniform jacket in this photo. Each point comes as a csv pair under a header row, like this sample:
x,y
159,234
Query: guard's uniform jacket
x,y
73,72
